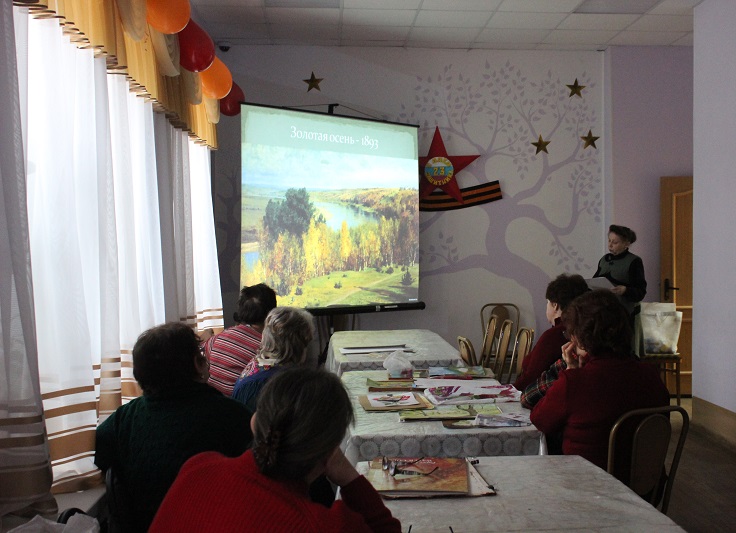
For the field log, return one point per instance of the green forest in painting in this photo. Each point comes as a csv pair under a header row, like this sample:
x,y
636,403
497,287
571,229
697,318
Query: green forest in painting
x,y
311,263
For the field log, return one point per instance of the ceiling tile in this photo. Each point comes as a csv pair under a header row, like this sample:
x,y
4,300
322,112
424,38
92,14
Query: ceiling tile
x,y
463,5
462,45
234,31
443,34
663,23
583,21
578,37
675,7
387,44
286,31
556,6
525,20
503,35
459,19
302,17
368,33
378,17
615,6
686,40
240,15
382,4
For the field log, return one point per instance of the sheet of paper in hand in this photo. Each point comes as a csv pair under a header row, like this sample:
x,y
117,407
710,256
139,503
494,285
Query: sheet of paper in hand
x,y
472,394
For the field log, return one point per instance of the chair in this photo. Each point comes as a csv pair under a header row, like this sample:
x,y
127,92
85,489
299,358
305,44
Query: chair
x,y
522,346
467,352
121,517
503,311
489,340
663,361
642,436
502,348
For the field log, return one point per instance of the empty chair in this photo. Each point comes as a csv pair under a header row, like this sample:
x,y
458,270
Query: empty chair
x,y
489,340
502,348
503,311
467,352
637,452
522,346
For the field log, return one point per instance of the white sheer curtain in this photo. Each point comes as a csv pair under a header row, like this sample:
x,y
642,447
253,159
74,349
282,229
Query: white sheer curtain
x,y
114,245
25,473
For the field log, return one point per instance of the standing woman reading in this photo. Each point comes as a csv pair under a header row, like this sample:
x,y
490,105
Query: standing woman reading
x,y
626,272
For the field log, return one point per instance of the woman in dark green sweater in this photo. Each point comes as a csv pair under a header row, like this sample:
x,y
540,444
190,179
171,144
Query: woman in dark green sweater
x,y
147,440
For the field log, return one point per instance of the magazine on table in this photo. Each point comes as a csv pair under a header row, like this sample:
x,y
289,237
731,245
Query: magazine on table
x,y
450,412
424,477
459,394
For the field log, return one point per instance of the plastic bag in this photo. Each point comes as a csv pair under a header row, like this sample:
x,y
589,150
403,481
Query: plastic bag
x,y
78,523
398,365
660,326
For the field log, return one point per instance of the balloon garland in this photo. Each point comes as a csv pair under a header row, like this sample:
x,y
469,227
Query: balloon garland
x,y
197,57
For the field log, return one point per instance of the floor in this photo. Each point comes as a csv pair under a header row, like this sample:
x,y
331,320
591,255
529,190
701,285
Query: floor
x,y
704,495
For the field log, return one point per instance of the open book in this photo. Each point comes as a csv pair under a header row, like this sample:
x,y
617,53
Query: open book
x,y
424,477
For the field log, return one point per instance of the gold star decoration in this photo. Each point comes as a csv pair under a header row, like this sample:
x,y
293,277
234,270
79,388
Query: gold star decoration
x,y
541,145
590,140
313,82
576,89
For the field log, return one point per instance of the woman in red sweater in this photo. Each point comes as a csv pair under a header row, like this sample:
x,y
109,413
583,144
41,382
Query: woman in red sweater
x,y
560,292
301,419
603,379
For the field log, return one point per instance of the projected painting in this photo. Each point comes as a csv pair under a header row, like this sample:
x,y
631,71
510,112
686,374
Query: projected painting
x,y
329,208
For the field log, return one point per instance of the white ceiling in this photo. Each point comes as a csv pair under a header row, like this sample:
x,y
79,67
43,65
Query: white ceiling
x,y
462,24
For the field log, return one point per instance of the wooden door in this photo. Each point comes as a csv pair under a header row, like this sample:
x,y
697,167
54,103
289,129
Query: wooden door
x,y
676,264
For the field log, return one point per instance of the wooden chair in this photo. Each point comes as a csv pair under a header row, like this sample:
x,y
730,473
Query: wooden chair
x,y
503,311
489,340
643,437
502,348
467,352
522,346
663,361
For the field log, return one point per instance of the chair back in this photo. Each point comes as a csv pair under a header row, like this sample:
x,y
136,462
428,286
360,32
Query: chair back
x,y
467,352
641,438
522,346
503,311
489,340
121,516
502,348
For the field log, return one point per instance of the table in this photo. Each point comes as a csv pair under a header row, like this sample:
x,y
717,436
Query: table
x,y
562,493
663,361
429,349
381,433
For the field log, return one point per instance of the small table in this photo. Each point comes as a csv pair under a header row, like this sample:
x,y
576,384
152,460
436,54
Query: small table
x,y
663,361
376,434
551,493
427,349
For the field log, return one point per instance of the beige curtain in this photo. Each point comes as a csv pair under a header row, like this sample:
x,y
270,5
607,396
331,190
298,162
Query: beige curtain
x,y
97,24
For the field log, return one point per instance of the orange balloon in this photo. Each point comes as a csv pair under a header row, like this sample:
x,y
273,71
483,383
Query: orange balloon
x,y
168,16
216,80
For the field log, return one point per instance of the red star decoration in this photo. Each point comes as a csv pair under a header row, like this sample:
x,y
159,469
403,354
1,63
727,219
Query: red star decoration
x,y
438,170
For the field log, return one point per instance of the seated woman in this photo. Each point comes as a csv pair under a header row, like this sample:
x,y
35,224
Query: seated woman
x,y
148,439
603,379
560,292
302,417
287,332
234,350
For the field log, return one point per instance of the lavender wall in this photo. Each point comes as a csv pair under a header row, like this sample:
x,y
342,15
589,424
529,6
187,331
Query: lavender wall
x,y
651,136
714,241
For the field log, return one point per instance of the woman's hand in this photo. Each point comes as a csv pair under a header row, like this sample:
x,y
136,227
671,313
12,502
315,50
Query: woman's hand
x,y
618,290
574,356
338,469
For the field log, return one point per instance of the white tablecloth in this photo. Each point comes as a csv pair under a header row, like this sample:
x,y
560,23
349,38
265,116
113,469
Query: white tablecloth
x,y
429,349
552,493
377,434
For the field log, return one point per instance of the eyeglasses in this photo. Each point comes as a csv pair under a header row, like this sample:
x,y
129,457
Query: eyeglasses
x,y
394,466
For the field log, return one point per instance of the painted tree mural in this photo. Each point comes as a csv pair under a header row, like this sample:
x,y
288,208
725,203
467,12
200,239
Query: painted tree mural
x,y
499,112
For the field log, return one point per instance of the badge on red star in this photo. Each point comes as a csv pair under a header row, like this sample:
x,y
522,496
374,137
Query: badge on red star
x,y
438,170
